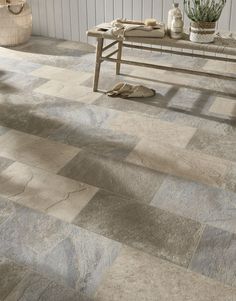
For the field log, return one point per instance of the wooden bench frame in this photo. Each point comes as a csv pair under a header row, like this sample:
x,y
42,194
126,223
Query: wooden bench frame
x,y
180,47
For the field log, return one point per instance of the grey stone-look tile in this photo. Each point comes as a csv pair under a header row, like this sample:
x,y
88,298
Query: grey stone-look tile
x,y
215,256
152,230
65,253
3,130
230,177
10,275
97,140
222,146
35,287
136,276
4,163
199,202
197,120
116,176
18,83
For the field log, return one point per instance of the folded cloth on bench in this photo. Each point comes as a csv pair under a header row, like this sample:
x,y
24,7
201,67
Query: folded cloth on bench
x,y
125,90
120,29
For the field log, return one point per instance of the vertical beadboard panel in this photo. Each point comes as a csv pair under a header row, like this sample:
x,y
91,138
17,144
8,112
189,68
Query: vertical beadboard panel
x,y
69,19
233,19
83,19
51,18
137,9
66,15
224,22
74,12
58,19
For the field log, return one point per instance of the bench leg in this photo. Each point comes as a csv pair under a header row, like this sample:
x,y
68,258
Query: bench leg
x,y
98,63
119,55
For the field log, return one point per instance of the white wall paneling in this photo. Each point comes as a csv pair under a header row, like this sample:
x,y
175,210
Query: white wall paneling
x,y
69,19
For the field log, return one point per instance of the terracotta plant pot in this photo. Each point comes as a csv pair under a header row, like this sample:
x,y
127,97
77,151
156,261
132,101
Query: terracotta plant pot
x,y
202,32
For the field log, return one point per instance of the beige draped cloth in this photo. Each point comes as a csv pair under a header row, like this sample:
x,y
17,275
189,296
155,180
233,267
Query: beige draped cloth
x,y
119,29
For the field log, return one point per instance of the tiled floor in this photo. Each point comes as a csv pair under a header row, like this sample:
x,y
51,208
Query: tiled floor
x,y
105,199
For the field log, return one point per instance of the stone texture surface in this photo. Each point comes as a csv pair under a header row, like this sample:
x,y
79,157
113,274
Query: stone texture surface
x,y
154,231
216,145
67,254
18,282
36,151
10,275
119,177
180,162
142,127
151,173
199,202
4,163
68,90
224,106
136,276
60,74
50,193
215,255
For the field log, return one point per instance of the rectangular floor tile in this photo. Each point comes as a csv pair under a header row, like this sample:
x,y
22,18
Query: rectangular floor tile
x,y
10,275
4,163
222,146
199,202
228,67
97,140
215,255
224,106
116,176
32,187
70,91
136,276
35,151
68,254
230,182
34,287
180,162
149,229
3,130
154,129
61,74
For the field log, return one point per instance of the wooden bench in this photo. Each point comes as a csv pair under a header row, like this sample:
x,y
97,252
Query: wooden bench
x,y
223,49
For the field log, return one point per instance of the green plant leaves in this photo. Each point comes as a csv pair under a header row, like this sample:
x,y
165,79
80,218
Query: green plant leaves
x,y
204,10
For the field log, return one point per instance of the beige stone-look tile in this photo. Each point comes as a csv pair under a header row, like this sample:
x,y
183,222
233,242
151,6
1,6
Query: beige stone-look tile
x,y
32,187
68,90
226,67
180,162
77,46
136,276
155,129
36,151
224,106
61,74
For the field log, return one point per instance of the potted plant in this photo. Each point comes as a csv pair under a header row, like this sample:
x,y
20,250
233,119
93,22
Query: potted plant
x,y
203,15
